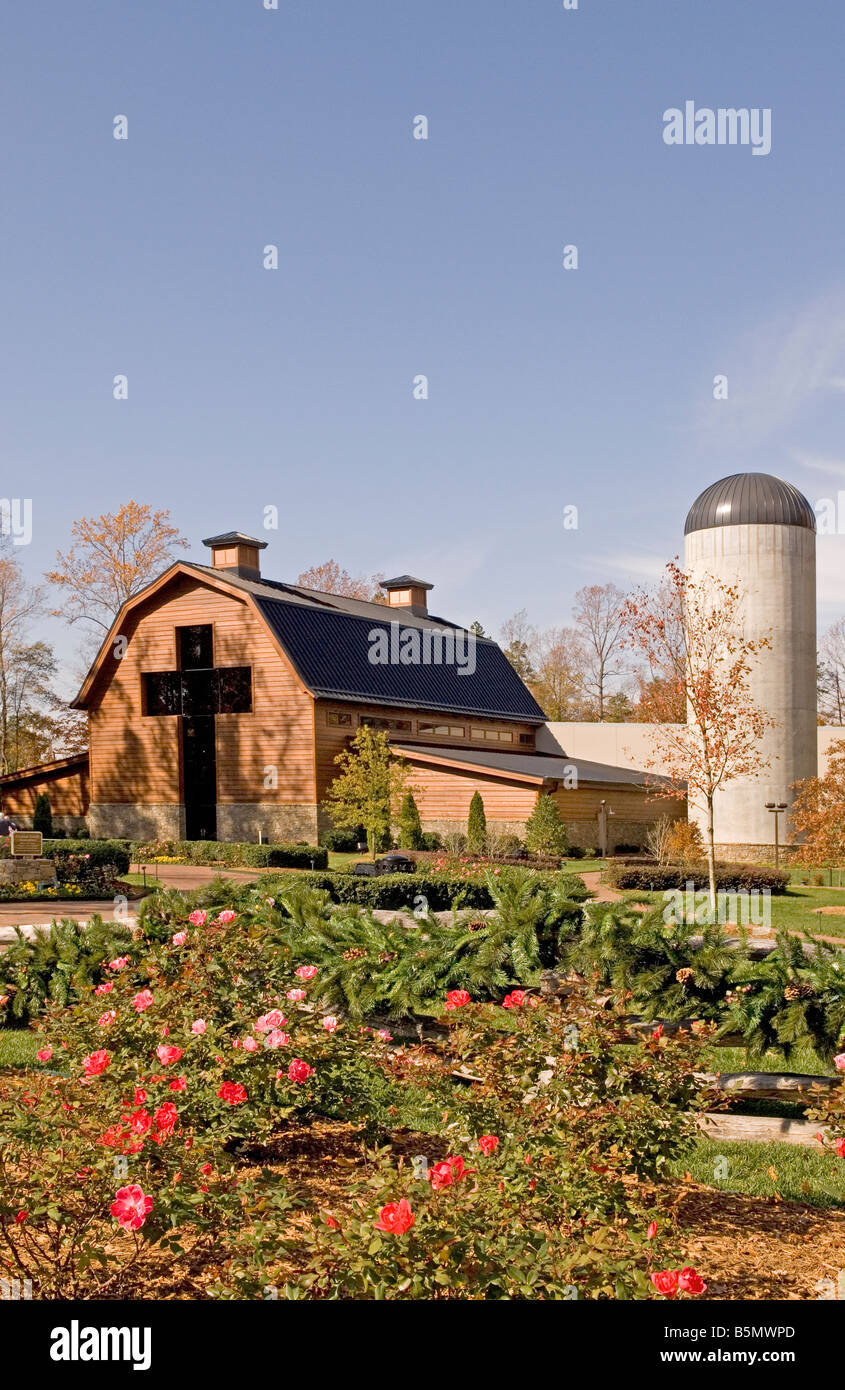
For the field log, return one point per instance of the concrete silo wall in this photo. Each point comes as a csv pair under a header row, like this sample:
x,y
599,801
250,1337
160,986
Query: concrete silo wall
x,y
775,568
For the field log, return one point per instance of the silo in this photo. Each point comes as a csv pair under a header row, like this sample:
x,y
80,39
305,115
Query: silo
x,y
756,531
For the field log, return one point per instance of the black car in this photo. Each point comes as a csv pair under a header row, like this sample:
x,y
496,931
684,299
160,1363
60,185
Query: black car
x,y
397,864
388,864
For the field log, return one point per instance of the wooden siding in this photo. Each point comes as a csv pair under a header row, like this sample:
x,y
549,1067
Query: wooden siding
x,y
135,758
626,803
331,739
67,790
444,794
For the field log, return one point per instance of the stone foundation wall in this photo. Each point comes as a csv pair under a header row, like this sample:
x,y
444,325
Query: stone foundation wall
x,y
27,871
757,854
244,820
136,821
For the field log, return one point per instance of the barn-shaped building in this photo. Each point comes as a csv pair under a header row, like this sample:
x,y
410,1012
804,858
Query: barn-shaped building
x,y
220,699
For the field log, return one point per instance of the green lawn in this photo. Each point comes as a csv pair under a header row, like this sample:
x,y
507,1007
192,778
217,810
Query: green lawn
x,y
797,908
803,1174
18,1047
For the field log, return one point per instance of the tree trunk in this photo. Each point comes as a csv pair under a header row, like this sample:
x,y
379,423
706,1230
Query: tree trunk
x,y
711,853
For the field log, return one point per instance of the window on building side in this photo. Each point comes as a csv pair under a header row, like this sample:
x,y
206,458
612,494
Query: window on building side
x,y
337,717
493,735
447,730
372,722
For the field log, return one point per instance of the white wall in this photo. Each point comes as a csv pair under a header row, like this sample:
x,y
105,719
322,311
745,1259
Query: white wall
x,y
629,745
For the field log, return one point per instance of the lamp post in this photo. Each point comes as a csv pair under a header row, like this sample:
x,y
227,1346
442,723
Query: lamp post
x,y
604,812
776,808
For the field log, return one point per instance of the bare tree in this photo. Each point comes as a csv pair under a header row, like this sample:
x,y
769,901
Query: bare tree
x,y
832,674
20,603
599,613
518,637
557,681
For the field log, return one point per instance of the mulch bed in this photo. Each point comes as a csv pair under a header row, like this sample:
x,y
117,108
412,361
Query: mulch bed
x,y
747,1248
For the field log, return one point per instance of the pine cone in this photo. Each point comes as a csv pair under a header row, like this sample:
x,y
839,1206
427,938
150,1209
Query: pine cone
x,y
793,992
355,953
683,975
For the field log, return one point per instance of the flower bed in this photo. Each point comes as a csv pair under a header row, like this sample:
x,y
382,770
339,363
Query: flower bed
x,y
33,892
129,1160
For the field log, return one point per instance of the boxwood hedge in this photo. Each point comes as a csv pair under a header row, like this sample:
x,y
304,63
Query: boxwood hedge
x,y
729,877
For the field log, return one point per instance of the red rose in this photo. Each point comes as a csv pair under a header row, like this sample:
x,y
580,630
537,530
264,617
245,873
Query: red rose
x,y
131,1207
457,998
95,1062
666,1282
488,1143
232,1092
299,1071
395,1218
450,1171
165,1118
690,1281
514,999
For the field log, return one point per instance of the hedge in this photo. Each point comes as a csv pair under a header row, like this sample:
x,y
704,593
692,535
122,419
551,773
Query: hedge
x,y
99,853
398,892
249,855
735,878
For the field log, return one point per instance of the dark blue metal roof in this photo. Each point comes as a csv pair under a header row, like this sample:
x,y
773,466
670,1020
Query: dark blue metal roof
x,y
749,499
331,651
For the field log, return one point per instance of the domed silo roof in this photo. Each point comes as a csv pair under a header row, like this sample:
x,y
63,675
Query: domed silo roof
x,y
749,499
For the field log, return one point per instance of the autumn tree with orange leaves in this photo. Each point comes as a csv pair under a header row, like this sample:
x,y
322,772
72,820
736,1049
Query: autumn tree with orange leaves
x,y
818,812
690,632
110,559
329,578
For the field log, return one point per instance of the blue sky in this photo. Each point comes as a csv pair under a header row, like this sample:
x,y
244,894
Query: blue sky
x,y
293,388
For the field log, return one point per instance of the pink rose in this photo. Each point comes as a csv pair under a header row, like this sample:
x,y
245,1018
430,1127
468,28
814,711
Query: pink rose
x,y
131,1207
299,1071
44,1054
199,1025
273,1019
107,1018
330,1023
198,918
227,915
383,1033
250,1045
306,972
143,999
104,988
167,1054
839,1062
119,963
277,1039
295,995
179,938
